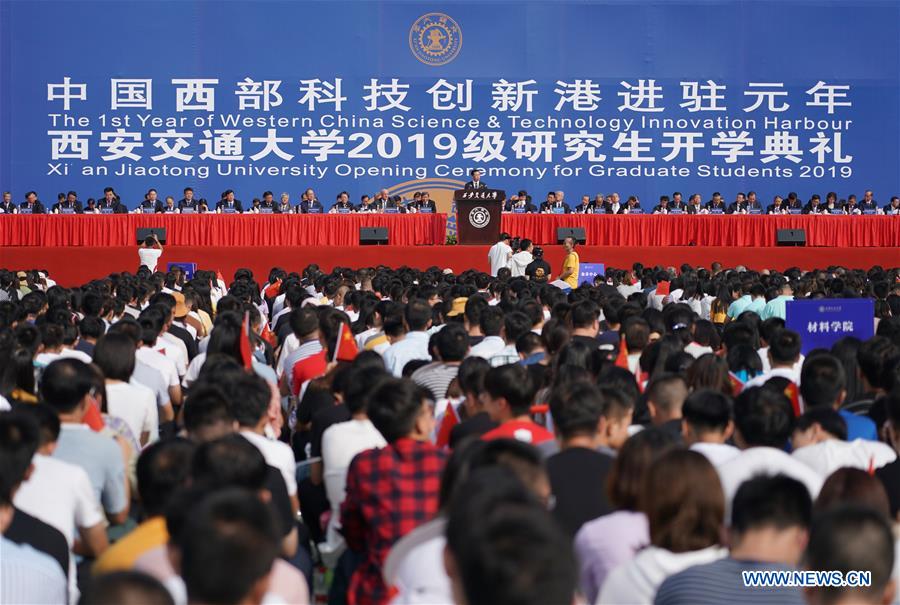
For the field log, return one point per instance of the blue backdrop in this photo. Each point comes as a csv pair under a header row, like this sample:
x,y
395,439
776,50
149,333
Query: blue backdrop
x,y
76,112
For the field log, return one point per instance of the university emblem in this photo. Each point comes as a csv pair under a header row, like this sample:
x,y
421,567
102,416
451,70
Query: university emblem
x,y
435,39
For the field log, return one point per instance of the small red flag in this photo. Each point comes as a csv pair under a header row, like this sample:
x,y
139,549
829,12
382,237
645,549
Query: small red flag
x,y
622,357
273,289
450,420
737,385
794,395
871,470
246,353
662,288
268,335
345,349
93,418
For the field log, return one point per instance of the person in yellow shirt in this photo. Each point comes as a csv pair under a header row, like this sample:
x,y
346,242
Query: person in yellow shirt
x,y
570,263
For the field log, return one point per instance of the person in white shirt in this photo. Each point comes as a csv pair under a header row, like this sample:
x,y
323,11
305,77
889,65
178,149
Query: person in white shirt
x,y
763,420
60,494
783,356
519,261
166,344
133,403
685,528
150,251
491,323
515,325
500,254
414,345
820,442
706,424
152,369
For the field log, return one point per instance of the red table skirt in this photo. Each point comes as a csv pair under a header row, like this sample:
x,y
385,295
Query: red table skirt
x,y
219,230
708,230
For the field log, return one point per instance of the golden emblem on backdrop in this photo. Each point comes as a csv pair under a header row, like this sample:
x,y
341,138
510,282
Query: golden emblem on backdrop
x,y
435,39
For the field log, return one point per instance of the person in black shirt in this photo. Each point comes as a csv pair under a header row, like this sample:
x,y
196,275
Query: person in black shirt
x,y
32,205
578,472
538,270
716,205
852,206
893,207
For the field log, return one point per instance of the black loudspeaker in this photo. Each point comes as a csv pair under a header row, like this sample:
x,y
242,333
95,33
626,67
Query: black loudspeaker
x,y
144,232
373,236
790,237
577,233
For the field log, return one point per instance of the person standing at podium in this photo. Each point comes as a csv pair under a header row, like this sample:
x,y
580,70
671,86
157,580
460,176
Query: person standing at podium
x,y
476,182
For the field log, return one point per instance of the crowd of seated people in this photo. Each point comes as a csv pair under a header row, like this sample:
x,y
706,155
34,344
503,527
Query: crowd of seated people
x,y
432,437
421,202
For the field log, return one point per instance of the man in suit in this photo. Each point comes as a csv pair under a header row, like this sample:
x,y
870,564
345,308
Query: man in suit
x,y
111,203
663,206
284,206
520,204
394,202
426,204
793,203
632,205
586,206
814,206
476,182
229,205
380,201
366,204
267,204
69,205
852,206
311,205
554,205
893,207
716,204
868,203
753,206
150,204
343,204
612,205
777,206
7,206
168,206
32,205
677,204
189,202
738,206
695,205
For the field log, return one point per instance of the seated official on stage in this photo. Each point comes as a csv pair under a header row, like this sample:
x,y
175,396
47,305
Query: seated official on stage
x,y
423,203
476,182
893,208
520,204
110,203
586,206
738,206
632,206
695,205
677,205
310,204
31,205
366,204
284,205
753,206
169,206
777,206
266,204
868,205
851,206
394,205
794,204
189,204
342,205
554,204
832,204
69,205
663,206
7,206
229,205
716,205
150,204
613,205
814,205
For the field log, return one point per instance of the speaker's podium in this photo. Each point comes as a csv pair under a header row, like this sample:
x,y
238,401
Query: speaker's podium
x,y
478,215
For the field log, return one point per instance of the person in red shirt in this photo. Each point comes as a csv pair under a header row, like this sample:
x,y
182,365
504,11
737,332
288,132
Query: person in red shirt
x,y
508,394
392,490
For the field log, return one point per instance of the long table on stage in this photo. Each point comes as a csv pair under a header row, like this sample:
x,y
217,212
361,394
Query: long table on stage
x,y
707,230
220,230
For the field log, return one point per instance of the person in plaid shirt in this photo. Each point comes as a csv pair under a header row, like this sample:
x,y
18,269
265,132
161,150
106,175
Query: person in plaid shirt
x,y
393,490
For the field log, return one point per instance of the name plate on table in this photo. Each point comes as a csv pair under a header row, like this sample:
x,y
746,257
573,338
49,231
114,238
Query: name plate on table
x,y
424,210
755,211
676,211
392,211
67,211
558,210
795,211
147,210
227,210
716,211
518,210
187,210
26,211
314,211
106,211
635,211
870,211
265,211
343,211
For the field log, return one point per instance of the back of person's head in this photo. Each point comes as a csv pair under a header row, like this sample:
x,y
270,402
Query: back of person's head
x,y
304,321
709,371
206,412
91,327
852,538
576,410
471,375
228,545
682,516
504,547
125,588
249,397
667,393
114,354
637,334
396,407
876,356
706,411
230,461
584,314
515,325
162,468
763,417
65,383
452,342
625,483
19,438
360,382
822,381
826,419
417,314
491,321
784,347
852,486
513,383
778,502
